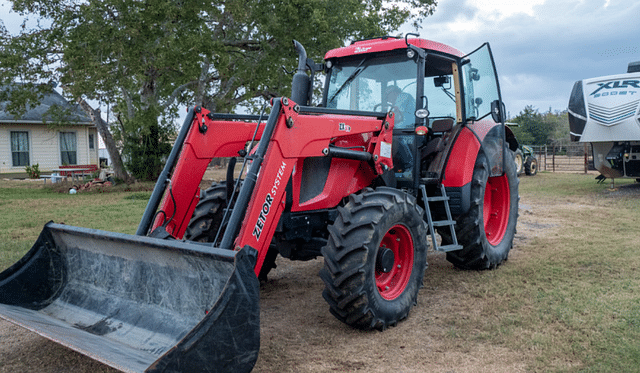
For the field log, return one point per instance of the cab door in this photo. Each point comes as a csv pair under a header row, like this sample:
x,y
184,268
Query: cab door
x,y
483,111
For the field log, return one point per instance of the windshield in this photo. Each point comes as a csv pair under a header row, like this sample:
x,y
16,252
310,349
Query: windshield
x,y
366,84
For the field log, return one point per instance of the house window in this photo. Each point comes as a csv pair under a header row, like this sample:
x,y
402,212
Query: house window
x,y
20,148
68,148
91,142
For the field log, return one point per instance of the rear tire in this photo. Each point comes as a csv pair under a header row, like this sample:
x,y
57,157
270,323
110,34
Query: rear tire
x,y
375,259
531,166
486,231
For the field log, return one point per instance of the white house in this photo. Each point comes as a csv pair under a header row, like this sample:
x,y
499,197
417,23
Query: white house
x,y
29,140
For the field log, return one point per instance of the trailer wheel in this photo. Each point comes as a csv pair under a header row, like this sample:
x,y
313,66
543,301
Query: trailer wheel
x,y
486,231
375,259
206,220
531,166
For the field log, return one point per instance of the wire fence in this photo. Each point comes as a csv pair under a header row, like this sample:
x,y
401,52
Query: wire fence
x,y
574,157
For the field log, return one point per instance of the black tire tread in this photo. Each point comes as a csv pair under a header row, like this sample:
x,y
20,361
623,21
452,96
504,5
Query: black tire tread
x,y
477,253
528,169
348,264
206,220
208,213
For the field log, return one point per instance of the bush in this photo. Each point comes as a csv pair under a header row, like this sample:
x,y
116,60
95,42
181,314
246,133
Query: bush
x,y
33,171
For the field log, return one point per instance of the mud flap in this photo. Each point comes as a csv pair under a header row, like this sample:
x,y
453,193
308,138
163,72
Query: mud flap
x,y
136,303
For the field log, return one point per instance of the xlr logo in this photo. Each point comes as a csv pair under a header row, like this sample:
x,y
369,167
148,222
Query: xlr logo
x,y
617,84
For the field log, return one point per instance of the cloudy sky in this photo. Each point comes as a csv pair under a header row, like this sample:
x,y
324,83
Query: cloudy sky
x,y
541,47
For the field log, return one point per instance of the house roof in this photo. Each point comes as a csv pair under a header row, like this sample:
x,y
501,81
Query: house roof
x,y
40,113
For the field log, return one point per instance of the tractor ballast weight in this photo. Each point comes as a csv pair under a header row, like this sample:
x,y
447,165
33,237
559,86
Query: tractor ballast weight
x,y
404,125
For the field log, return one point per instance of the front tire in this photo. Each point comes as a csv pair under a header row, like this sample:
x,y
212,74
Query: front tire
x,y
486,231
208,214
375,259
207,218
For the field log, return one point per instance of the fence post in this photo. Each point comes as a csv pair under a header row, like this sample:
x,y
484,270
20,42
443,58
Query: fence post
x,y
553,159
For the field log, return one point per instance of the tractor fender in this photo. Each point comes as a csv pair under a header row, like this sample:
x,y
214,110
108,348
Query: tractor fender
x,y
458,173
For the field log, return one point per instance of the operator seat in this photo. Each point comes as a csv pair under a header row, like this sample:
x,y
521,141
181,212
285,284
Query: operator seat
x,y
437,143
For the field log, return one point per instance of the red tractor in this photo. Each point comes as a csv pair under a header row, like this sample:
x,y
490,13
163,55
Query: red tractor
x,y
408,141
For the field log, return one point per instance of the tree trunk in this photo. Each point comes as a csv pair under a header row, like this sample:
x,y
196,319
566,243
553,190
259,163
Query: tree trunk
x,y
103,129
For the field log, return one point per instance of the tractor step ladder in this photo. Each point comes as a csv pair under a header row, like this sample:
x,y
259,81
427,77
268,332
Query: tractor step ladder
x,y
444,199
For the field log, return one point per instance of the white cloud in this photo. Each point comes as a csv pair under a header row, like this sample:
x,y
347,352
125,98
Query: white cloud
x,y
542,47
496,10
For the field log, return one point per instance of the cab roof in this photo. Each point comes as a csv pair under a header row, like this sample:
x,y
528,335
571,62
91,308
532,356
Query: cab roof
x,y
383,44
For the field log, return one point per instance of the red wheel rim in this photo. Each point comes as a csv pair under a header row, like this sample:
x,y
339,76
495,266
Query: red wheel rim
x,y
496,208
391,284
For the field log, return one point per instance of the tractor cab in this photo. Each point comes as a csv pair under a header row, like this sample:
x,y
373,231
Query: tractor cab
x,y
429,87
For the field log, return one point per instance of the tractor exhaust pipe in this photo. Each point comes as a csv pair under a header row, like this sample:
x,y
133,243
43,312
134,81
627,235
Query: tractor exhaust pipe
x,y
301,85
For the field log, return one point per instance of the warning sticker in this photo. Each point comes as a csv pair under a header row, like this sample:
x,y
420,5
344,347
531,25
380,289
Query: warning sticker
x,y
385,149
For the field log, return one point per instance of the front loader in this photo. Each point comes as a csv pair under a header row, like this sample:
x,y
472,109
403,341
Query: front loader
x,y
407,142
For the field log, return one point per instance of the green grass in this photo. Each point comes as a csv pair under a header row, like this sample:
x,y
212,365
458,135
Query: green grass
x,y
26,207
571,297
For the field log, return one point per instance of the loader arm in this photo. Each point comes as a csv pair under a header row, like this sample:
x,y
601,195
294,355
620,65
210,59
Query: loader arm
x,y
290,134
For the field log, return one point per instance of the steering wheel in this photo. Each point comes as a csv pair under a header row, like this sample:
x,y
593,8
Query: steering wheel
x,y
380,107
396,111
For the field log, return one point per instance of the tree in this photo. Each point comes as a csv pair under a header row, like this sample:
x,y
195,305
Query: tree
x,y
146,57
541,129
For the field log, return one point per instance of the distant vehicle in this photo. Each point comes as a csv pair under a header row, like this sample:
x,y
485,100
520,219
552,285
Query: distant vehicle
x,y
526,161
605,112
525,157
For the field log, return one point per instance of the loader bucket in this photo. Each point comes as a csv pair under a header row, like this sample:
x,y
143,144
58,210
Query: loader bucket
x,y
136,303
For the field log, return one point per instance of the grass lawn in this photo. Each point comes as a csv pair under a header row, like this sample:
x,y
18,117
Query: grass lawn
x,y
570,294
568,299
26,206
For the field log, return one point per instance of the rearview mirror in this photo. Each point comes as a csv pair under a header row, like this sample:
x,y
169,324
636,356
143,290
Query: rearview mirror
x,y
440,81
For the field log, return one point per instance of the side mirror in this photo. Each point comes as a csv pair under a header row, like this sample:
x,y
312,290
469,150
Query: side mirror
x,y
498,111
474,74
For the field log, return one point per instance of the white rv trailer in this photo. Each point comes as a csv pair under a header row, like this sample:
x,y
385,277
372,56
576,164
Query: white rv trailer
x,y
605,112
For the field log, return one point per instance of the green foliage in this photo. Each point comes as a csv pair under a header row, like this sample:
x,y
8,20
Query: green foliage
x,y
145,57
33,171
541,129
146,144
